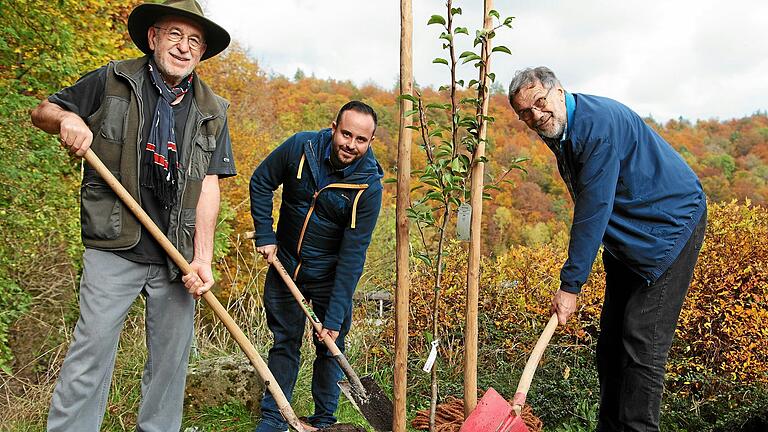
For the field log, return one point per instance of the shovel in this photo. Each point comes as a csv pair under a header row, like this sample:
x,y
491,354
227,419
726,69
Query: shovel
x,y
213,302
493,413
366,396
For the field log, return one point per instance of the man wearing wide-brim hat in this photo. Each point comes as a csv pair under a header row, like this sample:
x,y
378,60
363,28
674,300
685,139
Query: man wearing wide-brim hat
x,y
163,133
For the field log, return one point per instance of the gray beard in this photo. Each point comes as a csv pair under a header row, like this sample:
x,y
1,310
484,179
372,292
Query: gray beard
x,y
557,134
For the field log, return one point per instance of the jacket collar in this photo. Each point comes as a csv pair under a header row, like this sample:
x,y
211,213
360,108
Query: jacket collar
x,y
364,170
205,100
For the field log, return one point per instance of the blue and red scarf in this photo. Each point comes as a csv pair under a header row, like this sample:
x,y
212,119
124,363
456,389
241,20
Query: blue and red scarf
x,y
160,160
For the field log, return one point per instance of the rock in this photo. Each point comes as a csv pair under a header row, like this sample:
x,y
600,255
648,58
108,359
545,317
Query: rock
x,y
217,381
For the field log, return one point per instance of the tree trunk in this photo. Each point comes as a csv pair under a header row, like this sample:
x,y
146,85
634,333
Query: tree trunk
x,y
402,236
476,201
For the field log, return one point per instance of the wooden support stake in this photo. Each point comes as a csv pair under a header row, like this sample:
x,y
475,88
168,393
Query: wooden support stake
x,y
402,290
476,201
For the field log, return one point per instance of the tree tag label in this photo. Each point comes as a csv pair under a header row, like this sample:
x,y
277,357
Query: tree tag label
x,y
464,221
432,357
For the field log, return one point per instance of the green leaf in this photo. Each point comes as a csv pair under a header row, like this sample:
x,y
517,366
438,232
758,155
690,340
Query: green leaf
x,y
464,160
494,13
501,48
424,257
455,11
470,58
457,166
446,36
409,97
447,178
435,105
466,54
462,30
435,195
416,128
410,112
473,82
428,337
390,180
492,76
436,133
441,60
443,88
436,19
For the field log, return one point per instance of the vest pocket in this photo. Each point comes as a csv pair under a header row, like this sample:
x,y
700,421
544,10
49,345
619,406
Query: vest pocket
x,y
99,212
201,156
115,118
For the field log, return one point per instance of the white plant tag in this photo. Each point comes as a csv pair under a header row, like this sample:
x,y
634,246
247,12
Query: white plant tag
x,y
464,221
432,357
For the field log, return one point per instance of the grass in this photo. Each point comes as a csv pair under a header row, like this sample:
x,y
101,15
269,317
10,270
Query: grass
x,y
24,400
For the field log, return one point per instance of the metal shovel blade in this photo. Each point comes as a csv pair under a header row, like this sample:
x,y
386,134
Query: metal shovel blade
x,y
375,406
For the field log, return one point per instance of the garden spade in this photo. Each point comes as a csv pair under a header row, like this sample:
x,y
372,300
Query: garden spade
x,y
493,413
253,355
365,394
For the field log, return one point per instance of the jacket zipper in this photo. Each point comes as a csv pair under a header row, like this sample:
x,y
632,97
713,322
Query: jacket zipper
x,y
189,171
312,209
137,92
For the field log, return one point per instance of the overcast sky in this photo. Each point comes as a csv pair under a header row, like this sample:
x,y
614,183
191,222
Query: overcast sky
x,y
697,59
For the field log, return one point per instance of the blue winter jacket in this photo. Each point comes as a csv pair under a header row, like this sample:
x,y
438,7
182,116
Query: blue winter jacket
x,y
322,232
632,191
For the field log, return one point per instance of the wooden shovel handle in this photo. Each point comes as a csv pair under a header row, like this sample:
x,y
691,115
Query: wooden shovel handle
x,y
354,379
533,361
282,403
305,307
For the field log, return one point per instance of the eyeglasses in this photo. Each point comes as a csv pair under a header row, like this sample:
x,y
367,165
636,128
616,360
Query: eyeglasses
x,y
540,104
176,36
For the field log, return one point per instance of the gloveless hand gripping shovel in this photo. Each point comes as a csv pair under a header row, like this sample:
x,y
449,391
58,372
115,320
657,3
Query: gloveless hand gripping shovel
x,y
369,399
213,302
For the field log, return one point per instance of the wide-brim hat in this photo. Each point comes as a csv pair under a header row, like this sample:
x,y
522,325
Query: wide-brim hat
x,y
145,15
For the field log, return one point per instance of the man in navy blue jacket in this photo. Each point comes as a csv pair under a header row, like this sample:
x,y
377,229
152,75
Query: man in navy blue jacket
x,y
330,202
635,195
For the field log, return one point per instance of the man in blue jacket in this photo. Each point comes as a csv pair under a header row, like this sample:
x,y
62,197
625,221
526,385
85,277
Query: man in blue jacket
x,y
330,203
634,194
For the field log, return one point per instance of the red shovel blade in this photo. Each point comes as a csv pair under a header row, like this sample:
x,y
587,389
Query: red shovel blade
x,y
493,414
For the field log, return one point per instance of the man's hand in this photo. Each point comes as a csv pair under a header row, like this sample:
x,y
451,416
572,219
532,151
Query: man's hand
x,y
200,280
75,135
333,334
564,304
268,252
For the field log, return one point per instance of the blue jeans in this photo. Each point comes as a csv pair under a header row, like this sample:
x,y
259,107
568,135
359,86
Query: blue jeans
x,y
286,320
636,330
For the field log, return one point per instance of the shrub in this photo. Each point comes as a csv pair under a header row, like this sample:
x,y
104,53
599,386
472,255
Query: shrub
x,y
719,358
716,379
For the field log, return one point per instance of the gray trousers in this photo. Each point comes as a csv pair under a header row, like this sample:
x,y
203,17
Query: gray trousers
x,y
109,286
